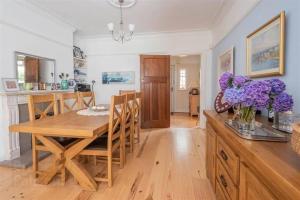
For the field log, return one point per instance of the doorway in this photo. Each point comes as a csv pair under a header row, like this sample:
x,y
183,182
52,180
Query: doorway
x,y
185,84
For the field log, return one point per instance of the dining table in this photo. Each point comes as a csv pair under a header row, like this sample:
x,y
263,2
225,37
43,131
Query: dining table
x,y
85,129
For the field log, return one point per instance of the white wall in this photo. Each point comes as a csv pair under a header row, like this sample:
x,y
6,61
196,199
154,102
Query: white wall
x,y
104,54
231,14
99,64
27,29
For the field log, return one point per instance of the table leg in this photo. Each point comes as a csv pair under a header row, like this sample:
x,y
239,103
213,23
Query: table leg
x,y
55,148
84,179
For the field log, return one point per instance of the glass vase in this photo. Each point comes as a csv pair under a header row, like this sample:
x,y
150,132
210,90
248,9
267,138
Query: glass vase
x,y
64,85
247,118
236,111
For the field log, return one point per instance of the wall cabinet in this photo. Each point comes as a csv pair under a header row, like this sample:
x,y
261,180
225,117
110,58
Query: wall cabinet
x,y
240,169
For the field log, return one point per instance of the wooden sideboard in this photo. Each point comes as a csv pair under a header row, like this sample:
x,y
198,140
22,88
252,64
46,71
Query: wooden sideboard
x,y
194,102
249,170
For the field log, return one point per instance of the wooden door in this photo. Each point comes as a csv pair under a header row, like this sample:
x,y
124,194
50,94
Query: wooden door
x,y
251,187
31,70
155,88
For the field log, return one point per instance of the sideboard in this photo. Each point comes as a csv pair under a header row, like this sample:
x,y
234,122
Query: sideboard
x,y
249,170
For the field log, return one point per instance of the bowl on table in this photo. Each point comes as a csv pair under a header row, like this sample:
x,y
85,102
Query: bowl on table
x,y
98,108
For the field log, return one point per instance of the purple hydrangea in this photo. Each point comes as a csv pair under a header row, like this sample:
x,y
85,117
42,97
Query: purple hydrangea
x,y
256,94
225,80
239,81
283,102
234,96
277,86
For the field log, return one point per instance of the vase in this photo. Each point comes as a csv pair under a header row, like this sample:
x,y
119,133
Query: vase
x,y
247,118
64,85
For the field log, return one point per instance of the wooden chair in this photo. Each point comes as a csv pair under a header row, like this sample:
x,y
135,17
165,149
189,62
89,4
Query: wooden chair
x,y
107,144
129,119
86,99
69,102
36,112
137,115
121,92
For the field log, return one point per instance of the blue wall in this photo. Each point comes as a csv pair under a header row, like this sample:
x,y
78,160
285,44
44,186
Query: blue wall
x,y
262,13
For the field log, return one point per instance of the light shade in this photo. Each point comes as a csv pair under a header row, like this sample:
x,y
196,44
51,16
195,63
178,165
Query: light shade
x,y
110,26
131,27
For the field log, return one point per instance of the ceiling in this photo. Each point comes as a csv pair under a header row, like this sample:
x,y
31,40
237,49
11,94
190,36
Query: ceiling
x,y
90,17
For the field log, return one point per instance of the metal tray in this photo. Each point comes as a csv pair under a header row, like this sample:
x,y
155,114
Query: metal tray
x,y
260,133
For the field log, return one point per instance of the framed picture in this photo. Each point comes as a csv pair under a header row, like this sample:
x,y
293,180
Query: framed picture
x,y
71,83
265,49
226,62
10,84
76,52
118,77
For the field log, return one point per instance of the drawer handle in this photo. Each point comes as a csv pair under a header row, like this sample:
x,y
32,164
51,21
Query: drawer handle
x,y
224,155
223,181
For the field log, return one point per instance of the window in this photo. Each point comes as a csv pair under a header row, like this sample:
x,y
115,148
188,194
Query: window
x,y
21,70
182,79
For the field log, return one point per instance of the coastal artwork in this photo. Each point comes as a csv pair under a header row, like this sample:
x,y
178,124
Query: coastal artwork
x,y
226,62
265,50
125,77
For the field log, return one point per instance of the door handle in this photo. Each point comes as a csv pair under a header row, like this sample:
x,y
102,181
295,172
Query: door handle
x,y
223,155
223,181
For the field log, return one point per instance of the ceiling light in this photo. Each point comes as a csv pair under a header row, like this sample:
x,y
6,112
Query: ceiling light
x,y
121,35
125,3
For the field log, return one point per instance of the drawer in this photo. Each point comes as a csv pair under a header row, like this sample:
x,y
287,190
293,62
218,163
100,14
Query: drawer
x,y
220,195
225,181
229,159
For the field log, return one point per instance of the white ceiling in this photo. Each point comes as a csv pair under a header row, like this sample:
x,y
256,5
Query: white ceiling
x,y
91,16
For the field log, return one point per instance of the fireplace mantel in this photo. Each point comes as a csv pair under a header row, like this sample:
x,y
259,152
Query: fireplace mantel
x,y
9,109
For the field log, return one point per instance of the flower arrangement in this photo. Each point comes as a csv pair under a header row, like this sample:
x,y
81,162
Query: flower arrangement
x,y
251,95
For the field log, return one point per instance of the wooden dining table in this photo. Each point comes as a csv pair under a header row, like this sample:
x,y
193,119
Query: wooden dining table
x,y
72,125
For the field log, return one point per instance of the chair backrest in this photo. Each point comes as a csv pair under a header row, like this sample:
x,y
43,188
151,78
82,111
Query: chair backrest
x,y
121,92
116,119
86,99
129,113
137,106
41,106
69,102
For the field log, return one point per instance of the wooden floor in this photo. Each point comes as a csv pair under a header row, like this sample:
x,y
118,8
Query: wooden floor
x,y
168,164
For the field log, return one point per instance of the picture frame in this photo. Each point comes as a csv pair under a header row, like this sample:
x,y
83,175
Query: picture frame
x,y
72,83
226,62
10,84
77,52
265,49
120,77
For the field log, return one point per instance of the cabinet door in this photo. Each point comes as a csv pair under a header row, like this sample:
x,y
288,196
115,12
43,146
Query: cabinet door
x,y
250,186
211,155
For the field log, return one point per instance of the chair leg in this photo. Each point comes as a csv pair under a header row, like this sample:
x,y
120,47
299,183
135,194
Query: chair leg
x,y
109,169
122,154
131,138
34,157
137,129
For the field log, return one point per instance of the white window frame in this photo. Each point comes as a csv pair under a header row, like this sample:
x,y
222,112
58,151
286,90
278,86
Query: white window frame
x,y
182,79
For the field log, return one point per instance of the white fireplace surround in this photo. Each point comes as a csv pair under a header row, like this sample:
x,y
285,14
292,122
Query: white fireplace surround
x,y
9,102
